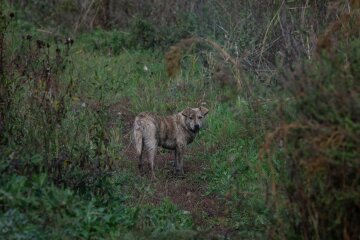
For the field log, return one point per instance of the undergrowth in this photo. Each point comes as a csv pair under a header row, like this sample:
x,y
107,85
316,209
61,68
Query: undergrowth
x,y
321,145
275,159
34,208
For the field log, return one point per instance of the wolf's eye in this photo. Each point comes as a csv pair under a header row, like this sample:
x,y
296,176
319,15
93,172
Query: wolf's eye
x,y
200,117
190,118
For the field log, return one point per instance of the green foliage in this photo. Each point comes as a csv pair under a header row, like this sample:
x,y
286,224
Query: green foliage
x,y
144,34
34,208
107,42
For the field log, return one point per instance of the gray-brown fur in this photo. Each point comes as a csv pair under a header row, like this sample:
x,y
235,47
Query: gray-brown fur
x,y
171,132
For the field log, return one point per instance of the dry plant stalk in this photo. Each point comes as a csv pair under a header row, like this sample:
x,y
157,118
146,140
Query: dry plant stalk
x,y
174,55
327,40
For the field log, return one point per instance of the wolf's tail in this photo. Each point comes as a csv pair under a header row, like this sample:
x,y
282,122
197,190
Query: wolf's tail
x,y
137,137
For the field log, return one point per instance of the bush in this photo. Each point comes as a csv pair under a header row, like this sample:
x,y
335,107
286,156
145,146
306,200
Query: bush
x,y
321,147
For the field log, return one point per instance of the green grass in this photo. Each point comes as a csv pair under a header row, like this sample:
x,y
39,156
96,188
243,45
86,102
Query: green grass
x,y
233,175
36,209
131,74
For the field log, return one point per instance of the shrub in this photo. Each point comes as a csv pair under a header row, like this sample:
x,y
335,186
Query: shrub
x,y
321,146
44,127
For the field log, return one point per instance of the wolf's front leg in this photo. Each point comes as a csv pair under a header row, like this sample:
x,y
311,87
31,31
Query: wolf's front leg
x,y
152,152
180,149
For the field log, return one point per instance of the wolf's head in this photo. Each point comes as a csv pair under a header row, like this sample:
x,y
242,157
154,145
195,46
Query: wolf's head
x,y
194,118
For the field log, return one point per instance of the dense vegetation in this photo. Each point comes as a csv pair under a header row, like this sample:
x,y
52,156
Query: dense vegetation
x,y
278,157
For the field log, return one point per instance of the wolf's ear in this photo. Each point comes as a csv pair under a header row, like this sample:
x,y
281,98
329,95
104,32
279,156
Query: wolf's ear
x,y
186,112
204,111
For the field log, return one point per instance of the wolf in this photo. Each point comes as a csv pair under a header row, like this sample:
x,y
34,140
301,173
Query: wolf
x,y
173,132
